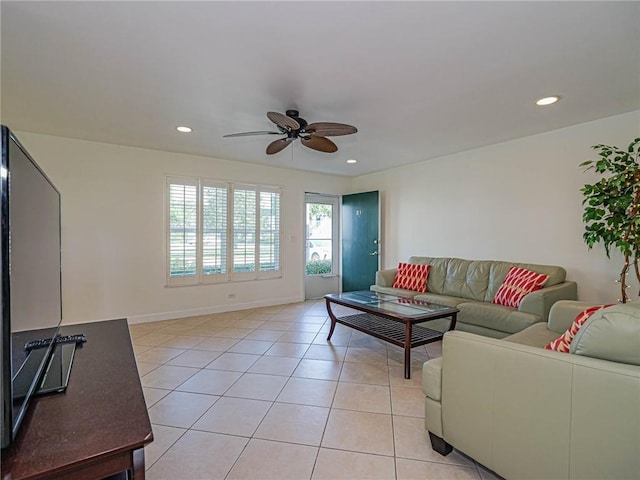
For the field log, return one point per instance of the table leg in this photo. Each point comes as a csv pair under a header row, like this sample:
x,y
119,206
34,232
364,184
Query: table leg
x,y
454,317
138,471
407,350
333,319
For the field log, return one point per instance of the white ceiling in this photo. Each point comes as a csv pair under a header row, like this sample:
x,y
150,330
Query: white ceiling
x,y
418,79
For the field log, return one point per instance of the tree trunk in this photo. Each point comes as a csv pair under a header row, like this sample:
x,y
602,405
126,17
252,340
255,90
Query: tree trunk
x,y
623,279
635,264
635,206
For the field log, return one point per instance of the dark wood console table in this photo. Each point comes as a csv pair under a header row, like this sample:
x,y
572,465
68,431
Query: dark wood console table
x,y
98,427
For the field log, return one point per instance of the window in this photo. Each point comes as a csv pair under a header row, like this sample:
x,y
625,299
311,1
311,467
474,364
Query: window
x,y
219,231
320,235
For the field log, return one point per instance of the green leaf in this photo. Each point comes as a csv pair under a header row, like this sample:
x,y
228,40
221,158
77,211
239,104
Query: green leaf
x,y
609,202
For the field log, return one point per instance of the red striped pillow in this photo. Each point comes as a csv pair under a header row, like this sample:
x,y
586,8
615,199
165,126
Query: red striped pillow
x,y
517,284
563,342
412,277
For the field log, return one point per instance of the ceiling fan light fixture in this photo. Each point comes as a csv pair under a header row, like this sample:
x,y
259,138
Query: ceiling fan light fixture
x,y
547,101
313,136
184,129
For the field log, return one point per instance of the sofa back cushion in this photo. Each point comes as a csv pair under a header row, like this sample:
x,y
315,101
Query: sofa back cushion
x,y
437,272
611,334
477,279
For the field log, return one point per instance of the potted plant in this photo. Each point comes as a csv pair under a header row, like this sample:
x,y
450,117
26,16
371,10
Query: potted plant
x,y
612,206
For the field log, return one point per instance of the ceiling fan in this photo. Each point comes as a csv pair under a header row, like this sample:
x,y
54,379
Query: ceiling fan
x,y
311,135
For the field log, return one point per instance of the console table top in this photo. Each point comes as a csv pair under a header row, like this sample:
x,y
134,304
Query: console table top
x,y
101,414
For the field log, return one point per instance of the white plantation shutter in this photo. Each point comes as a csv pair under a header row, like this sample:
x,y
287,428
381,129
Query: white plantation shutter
x,y
244,231
183,230
214,228
269,230
219,232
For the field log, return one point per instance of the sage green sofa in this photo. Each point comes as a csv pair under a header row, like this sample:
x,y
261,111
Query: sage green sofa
x,y
527,412
470,285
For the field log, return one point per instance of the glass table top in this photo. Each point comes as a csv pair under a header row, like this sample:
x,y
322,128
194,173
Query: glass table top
x,y
407,307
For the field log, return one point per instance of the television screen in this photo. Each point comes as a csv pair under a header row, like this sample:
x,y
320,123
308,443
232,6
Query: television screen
x,y
31,277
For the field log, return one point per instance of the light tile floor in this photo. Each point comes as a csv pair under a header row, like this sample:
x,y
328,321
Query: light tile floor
x,y
261,394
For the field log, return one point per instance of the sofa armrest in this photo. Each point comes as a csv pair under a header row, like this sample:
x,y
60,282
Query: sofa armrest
x,y
385,278
509,405
539,302
564,312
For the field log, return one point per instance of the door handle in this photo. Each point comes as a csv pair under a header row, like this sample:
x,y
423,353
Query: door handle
x,y
374,253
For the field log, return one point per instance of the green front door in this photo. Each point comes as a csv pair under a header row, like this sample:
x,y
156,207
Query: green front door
x,y
360,240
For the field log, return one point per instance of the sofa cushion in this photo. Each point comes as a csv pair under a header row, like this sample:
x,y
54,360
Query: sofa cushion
x,y
467,278
432,378
440,299
537,335
563,342
443,324
496,317
517,284
411,277
437,272
400,292
611,334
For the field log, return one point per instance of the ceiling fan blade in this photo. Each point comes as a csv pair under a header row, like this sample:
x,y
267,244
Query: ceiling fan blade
x,y
319,143
330,129
246,134
283,121
278,145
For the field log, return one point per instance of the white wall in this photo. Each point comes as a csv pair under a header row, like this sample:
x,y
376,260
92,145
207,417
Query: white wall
x,y
516,201
113,229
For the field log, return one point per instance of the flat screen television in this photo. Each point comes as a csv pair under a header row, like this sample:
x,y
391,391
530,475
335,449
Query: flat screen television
x,y
31,285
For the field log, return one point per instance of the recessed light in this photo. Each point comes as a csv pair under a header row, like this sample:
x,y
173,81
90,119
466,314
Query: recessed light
x,y
352,161
547,101
184,129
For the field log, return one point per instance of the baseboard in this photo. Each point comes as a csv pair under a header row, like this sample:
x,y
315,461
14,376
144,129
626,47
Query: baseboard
x,y
156,317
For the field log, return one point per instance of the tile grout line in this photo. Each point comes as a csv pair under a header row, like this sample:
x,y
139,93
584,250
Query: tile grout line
x,y
333,397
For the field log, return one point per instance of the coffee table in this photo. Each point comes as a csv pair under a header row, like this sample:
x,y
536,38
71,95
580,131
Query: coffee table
x,y
390,318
